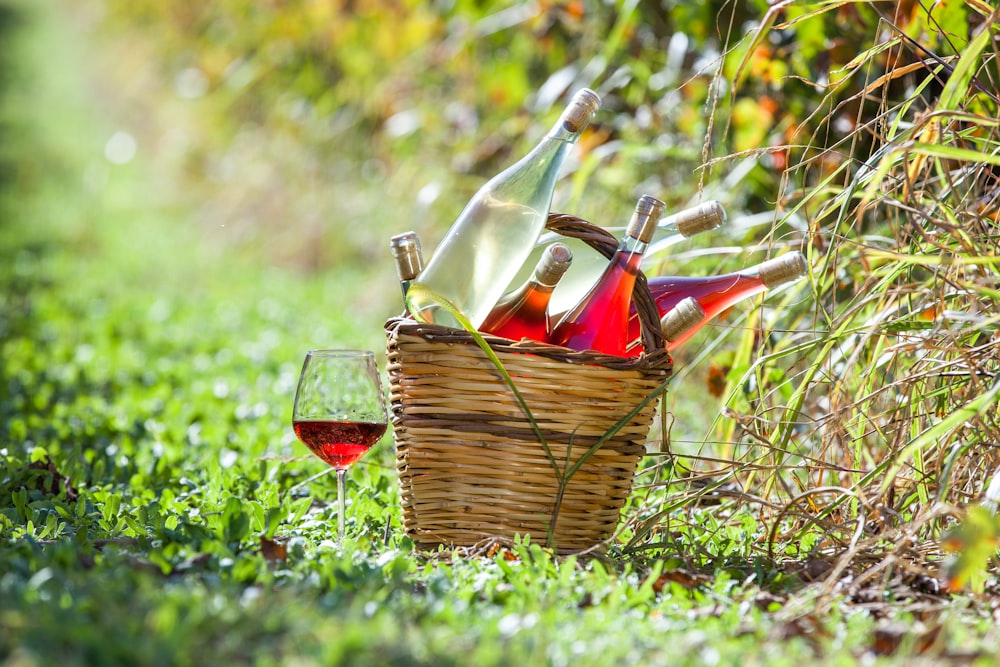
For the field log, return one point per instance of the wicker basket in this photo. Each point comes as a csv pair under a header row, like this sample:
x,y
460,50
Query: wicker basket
x,y
471,464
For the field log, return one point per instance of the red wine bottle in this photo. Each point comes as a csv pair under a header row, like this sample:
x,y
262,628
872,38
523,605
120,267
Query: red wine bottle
x,y
339,443
599,321
716,293
524,312
406,253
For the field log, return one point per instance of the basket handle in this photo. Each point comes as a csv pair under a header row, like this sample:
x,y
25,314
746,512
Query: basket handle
x,y
605,243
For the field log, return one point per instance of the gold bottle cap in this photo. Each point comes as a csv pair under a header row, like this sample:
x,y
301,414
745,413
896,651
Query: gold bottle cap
x,y
406,251
580,110
682,317
784,269
698,219
553,264
648,211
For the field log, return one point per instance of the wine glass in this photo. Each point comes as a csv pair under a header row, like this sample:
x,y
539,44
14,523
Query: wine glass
x,y
339,411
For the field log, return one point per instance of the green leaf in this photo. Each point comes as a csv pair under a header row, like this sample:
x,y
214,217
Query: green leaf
x,y
972,544
956,89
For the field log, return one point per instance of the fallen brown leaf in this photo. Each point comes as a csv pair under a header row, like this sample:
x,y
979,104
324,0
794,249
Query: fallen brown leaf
x,y
273,550
716,379
58,480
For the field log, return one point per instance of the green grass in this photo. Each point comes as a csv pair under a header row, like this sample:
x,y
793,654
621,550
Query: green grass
x,y
155,507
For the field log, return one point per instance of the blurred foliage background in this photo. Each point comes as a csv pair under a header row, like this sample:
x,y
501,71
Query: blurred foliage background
x,y
348,120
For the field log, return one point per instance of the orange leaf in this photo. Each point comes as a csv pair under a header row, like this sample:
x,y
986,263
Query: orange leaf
x,y
685,579
716,379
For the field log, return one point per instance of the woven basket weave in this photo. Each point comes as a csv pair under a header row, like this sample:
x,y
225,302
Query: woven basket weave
x,y
471,465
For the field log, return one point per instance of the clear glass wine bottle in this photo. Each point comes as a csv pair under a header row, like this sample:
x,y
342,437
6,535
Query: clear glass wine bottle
x,y
716,293
524,312
493,236
407,255
588,264
600,320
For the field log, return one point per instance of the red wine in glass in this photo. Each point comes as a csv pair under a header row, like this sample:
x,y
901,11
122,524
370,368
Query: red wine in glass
x,y
339,443
339,411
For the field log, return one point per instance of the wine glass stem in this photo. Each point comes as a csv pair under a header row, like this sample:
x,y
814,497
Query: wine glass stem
x,y
341,502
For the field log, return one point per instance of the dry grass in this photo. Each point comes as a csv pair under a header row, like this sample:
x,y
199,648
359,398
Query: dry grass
x,y
861,416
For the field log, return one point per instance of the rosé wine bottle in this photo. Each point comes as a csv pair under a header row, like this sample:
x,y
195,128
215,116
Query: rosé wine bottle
x,y
524,312
600,320
716,293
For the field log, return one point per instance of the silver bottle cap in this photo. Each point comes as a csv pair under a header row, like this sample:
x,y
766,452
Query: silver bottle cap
x,y
553,264
681,318
580,110
784,269
648,211
698,219
406,251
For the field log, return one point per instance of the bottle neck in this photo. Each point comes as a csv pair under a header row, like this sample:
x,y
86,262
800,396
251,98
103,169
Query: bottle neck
x,y
778,271
559,134
640,229
631,246
530,291
541,164
551,269
548,152
575,117
751,272
695,220
536,288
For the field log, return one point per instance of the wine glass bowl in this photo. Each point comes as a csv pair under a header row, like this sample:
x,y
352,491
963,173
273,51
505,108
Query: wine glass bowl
x,y
339,411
